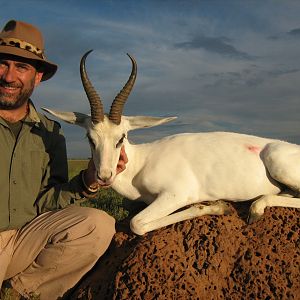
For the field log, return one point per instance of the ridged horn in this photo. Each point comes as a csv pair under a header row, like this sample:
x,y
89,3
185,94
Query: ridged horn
x,y
116,109
97,113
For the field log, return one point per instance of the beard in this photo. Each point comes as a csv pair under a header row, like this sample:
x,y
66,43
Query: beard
x,y
9,101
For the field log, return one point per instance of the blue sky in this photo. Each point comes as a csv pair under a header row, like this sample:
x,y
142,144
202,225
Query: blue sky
x,y
217,65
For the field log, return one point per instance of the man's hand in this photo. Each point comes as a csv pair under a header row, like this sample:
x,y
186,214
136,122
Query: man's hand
x,y
90,173
123,160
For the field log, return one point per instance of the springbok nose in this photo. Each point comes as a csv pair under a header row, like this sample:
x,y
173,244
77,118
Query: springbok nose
x,y
105,175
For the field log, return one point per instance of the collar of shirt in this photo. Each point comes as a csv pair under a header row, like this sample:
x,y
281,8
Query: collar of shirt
x,y
32,117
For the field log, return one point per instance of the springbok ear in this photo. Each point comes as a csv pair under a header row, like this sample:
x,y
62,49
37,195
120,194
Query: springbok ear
x,y
69,117
144,121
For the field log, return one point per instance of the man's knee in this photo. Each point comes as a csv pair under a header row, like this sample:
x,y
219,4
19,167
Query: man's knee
x,y
86,227
103,222
99,224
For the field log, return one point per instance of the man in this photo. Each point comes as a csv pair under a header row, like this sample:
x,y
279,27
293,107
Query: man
x,y
46,243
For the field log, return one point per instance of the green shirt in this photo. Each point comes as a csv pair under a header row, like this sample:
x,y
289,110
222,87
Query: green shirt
x,y
34,171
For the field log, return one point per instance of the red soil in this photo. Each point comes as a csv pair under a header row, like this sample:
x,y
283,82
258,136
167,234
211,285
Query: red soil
x,y
212,257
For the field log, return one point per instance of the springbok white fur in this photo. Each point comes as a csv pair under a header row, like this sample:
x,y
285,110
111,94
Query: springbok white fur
x,y
187,169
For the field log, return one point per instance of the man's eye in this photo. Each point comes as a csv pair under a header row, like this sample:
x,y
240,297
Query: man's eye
x,y
23,67
3,64
120,142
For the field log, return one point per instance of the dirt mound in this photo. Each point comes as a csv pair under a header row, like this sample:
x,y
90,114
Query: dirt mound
x,y
212,257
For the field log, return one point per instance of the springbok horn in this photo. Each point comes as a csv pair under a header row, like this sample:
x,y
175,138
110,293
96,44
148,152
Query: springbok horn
x,y
97,113
119,101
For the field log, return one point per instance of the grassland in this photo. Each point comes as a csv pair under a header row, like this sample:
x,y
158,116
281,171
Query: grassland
x,y
107,200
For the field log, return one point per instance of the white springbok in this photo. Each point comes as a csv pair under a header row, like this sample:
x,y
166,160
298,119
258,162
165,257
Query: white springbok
x,y
184,169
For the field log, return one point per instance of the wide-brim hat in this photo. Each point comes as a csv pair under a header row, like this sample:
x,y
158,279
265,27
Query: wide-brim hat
x,y
25,40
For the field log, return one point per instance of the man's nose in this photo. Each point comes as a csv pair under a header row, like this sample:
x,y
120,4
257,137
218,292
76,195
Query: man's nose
x,y
9,74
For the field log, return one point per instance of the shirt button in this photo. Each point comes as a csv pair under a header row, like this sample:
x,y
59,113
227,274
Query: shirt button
x,y
14,182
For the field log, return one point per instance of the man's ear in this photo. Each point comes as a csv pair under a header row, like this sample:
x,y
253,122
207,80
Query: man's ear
x,y
38,78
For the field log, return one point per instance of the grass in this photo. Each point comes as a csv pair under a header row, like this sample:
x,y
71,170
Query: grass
x,y
76,165
8,293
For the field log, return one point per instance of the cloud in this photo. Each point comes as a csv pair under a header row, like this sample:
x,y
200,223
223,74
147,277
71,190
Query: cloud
x,y
252,76
218,45
294,32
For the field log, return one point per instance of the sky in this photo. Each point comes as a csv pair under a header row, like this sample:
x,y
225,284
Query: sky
x,y
229,65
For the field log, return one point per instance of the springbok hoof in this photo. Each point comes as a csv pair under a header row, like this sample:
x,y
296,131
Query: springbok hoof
x,y
253,217
226,208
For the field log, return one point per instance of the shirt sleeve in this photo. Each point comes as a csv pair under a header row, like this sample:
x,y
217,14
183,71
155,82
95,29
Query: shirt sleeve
x,y
56,191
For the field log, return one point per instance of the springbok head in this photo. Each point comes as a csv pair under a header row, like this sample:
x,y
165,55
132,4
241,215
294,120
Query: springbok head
x,y
107,132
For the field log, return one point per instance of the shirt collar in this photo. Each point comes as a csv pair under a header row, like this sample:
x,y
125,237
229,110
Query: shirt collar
x,y
32,115
31,118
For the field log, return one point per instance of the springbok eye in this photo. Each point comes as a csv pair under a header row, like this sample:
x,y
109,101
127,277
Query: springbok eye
x,y
91,141
120,142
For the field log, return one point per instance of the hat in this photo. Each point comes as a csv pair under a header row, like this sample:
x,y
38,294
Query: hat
x,y
25,40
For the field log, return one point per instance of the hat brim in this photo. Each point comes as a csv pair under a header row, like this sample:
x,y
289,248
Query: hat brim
x,y
49,69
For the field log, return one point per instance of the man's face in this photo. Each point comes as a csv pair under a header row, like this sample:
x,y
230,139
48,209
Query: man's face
x,y
18,78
